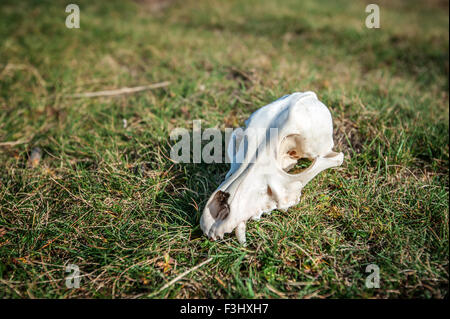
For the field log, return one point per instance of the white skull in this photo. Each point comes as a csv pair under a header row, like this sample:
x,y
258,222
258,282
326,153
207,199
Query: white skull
x,y
275,137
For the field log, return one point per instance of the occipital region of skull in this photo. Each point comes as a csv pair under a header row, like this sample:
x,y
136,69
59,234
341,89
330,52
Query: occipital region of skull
x,y
275,137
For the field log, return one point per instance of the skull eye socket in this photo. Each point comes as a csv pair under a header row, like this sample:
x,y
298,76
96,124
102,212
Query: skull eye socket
x,y
300,166
292,157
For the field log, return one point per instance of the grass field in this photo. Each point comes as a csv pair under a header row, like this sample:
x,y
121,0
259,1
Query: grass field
x,y
107,198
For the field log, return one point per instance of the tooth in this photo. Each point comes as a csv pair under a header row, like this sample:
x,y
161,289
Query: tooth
x,y
240,233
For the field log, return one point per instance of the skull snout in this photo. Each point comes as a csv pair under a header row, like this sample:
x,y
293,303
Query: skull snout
x,y
234,201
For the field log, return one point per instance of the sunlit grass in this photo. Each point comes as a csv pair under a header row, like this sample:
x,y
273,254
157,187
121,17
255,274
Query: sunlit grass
x,y
106,197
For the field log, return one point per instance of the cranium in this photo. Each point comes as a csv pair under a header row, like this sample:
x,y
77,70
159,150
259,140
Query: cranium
x,y
275,137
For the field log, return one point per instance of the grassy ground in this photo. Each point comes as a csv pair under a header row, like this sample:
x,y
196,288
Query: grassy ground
x,y
107,198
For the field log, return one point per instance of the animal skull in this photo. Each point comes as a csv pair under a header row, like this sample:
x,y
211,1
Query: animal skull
x,y
275,136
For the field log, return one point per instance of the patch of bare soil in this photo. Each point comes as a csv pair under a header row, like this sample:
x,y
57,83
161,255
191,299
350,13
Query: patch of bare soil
x,y
347,137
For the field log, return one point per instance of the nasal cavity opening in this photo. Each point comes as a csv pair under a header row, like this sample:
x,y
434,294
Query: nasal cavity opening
x,y
219,207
